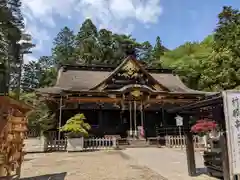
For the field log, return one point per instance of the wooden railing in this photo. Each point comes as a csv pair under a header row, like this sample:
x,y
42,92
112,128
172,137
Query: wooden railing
x,y
99,143
180,142
56,145
52,145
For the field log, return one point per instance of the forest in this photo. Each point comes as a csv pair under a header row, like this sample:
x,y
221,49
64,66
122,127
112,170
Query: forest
x,y
210,65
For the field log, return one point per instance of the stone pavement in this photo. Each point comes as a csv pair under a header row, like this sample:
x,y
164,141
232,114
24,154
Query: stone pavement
x,y
129,164
170,163
99,165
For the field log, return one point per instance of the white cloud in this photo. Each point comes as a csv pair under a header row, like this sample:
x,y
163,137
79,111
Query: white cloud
x,y
39,34
28,57
116,15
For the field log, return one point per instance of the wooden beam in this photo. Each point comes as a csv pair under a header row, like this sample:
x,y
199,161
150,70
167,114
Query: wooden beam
x,y
92,99
198,105
170,100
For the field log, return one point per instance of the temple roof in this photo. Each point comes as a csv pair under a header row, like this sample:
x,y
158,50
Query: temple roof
x,y
86,78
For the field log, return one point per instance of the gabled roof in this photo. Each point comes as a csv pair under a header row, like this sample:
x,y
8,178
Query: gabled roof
x,y
132,62
88,78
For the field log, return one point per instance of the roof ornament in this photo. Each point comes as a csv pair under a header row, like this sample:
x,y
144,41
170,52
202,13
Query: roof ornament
x,y
130,69
136,93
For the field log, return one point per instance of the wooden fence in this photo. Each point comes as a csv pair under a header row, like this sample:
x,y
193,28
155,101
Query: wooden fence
x,y
56,145
180,142
99,143
88,144
51,144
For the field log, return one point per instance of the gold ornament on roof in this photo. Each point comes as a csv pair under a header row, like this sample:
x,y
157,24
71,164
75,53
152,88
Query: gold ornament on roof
x,y
130,69
136,93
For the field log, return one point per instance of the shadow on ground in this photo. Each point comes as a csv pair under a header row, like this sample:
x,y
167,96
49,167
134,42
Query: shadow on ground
x,y
203,170
57,176
200,171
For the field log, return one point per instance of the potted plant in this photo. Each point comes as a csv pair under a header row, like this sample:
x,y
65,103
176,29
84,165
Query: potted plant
x,y
76,129
212,159
203,127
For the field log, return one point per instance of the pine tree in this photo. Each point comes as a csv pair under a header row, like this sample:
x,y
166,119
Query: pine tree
x,y
11,52
63,50
86,43
158,49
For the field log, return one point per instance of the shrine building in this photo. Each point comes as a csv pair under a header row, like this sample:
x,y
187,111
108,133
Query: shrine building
x,y
119,100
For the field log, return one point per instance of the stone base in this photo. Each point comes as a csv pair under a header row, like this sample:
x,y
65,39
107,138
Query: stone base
x,y
34,145
75,144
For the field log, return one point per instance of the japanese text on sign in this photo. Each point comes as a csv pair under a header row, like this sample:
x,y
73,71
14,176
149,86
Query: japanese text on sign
x,y
232,118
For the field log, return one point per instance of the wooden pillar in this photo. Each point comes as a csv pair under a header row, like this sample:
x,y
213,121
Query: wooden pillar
x,y
130,118
100,116
142,114
60,117
191,164
135,118
163,125
225,159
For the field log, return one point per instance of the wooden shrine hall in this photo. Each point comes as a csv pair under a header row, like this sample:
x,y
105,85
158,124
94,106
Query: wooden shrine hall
x,y
119,100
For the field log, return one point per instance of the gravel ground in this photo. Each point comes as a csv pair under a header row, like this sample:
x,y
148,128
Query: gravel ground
x,y
100,165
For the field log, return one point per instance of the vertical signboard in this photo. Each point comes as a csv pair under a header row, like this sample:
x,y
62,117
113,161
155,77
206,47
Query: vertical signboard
x,y
179,120
231,101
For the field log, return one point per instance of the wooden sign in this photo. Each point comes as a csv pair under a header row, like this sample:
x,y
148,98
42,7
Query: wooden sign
x,y
231,101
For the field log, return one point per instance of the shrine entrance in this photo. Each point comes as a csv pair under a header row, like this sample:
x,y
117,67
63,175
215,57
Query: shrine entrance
x,y
133,107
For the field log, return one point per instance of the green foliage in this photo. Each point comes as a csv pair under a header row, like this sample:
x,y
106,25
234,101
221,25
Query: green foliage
x,y
38,74
212,65
76,126
187,60
41,117
13,42
63,50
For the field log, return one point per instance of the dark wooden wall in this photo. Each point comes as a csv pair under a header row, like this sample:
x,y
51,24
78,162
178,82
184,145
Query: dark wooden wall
x,y
111,121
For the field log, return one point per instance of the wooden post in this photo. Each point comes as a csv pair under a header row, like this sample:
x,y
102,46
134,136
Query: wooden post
x,y
130,118
164,124
135,118
60,118
225,159
189,148
190,154
141,114
100,116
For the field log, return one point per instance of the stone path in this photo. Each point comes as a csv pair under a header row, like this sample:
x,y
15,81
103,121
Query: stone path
x,y
170,163
129,164
112,165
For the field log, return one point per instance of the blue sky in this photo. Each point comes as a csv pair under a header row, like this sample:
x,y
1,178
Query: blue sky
x,y
175,21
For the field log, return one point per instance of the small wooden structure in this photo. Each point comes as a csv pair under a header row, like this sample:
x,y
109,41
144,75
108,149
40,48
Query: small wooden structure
x,y
13,128
212,107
